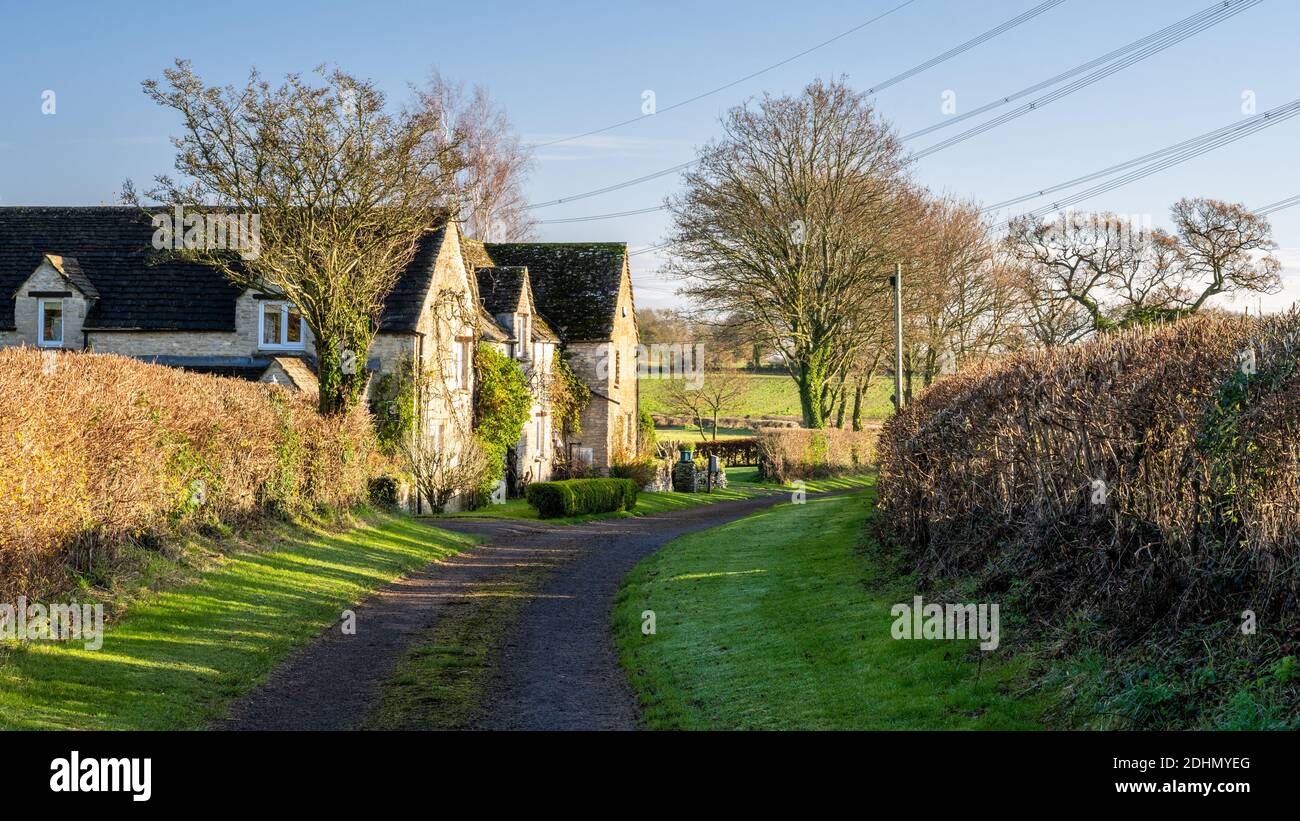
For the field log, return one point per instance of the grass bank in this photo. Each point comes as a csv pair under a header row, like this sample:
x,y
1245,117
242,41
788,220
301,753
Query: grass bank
x,y
782,620
180,655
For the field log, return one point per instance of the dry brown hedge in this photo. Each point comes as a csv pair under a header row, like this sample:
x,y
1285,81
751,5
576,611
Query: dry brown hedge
x,y
97,451
785,454
992,472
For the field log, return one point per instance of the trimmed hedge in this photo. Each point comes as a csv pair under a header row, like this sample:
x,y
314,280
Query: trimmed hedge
x,y
100,454
578,497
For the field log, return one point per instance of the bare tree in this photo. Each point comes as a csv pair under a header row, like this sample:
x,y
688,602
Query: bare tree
x,y
344,190
1119,274
1078,256
1149,282
959,304
441,471
495,163
662,325
1224,248
791,220
719,391
1046,318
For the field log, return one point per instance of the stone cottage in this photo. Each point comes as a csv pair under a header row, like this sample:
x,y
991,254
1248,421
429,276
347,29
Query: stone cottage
x,y
583,291
507,298
90,279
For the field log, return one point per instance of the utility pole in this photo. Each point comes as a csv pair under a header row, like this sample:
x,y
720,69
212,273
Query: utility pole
x,y
896,281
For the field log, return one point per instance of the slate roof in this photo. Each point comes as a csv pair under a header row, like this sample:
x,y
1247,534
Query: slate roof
x,y
300,373
107,252
491,329
403,303
543,332
501,288
70,268
500,291
112,248
575,285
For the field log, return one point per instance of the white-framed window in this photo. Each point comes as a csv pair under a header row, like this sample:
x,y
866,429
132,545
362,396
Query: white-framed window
x,y
49,323
281,327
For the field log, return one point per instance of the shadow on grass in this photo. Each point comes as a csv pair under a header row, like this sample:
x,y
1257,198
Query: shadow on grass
x,y
177,660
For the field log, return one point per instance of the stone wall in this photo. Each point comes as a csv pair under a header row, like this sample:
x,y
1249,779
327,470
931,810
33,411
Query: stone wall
x,y
688,478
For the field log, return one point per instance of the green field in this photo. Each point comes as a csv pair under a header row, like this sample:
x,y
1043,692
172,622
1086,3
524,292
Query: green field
x,y
781,621
669,433
767,396
178,658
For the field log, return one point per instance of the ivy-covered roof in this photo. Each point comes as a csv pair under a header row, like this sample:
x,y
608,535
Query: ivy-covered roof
x,y
575,285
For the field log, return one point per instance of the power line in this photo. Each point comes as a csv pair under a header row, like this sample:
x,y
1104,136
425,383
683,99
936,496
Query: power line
x,y
1229,8
1185,27
640,251
1169,30
1280,205
750,76
966,46
1202,139
917,69
602,216
1164,158
1265,121
617,185
1156,161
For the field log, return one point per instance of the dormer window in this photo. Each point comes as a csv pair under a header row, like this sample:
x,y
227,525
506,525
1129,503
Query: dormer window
x,y
49,321
281,327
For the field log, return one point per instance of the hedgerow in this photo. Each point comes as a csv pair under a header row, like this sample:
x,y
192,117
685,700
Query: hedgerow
x,y
785,454
97,452
1145,484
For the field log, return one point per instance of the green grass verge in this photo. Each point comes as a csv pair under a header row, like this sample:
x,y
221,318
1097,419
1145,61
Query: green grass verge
x,y
767,395
781,621
177,658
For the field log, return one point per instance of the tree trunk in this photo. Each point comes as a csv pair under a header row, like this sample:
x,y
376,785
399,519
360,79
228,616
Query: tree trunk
x,y
810,397
341,374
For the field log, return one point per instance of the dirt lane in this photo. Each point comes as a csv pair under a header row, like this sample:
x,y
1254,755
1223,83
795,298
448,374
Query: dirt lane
x,y
558,669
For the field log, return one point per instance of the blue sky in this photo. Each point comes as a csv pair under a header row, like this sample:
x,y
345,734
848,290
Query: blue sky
x,y
565,68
